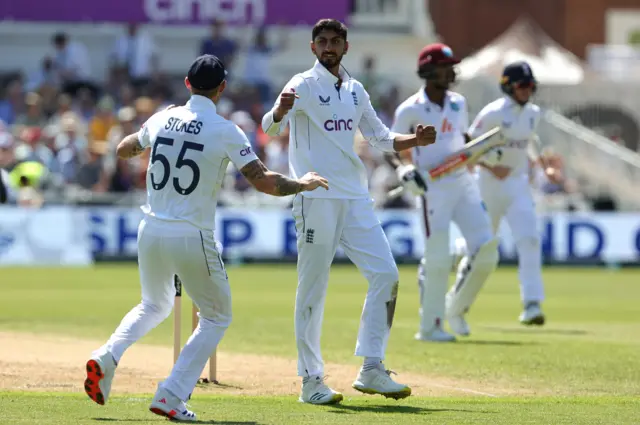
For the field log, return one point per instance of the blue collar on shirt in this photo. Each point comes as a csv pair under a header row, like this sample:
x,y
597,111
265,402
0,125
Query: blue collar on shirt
x,y
321,72
201,102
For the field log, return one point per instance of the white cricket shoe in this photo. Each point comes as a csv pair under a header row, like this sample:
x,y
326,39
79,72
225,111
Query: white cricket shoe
x,y
459,325
168,405
436,334
315,391
532,314
100,370
377,380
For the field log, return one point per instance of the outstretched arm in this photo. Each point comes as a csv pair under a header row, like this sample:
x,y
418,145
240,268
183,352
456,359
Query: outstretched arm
x,y
276,184
129,147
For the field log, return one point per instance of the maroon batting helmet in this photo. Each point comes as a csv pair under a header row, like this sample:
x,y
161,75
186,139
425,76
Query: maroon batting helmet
x,y
434,55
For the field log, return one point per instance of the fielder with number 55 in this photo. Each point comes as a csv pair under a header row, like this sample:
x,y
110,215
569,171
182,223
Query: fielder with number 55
x,y
191,146
455,197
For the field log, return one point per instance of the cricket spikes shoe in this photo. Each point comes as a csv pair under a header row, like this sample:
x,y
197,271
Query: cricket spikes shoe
x,y
435,334
377,380
532,314
459,325
315,391
100,370
168,405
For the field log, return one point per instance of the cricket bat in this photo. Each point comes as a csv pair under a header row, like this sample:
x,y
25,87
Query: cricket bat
x,y
470,153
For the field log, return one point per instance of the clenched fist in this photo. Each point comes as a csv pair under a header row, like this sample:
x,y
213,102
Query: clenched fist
x,y
426,135
285,104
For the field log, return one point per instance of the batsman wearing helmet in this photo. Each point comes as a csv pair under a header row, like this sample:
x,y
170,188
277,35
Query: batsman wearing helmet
x,y
504,178
455,197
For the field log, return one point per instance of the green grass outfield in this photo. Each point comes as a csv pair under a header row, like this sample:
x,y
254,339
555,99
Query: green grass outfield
x,y
581,368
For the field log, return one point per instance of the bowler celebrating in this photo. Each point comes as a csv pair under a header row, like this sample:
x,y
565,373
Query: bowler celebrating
x,y
324,107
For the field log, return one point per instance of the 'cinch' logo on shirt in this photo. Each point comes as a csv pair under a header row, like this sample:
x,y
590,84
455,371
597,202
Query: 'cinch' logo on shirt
x,y
337,124
245,151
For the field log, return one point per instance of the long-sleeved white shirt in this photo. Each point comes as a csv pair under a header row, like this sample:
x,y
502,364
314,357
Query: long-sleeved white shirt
x,y
518,125
323,123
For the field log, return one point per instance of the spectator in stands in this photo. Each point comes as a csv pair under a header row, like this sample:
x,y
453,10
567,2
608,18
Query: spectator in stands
x,y
257,72
28,196
71,63
370,80
64,104
135,54
91,172
13,103
32,148
44,76
103,121
86,106
126,96
126,125
33,116
7,153
276,153
70,143
220,45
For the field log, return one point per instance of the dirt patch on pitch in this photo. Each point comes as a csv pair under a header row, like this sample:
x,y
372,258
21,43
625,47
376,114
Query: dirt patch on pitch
x,y
35,362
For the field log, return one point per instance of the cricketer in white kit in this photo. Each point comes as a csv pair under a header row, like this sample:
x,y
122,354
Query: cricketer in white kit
x,y
504,179
455,197
324,107
191,146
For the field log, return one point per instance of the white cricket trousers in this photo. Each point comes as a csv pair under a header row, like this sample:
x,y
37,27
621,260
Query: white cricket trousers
x,y
322,225
166,249
512,199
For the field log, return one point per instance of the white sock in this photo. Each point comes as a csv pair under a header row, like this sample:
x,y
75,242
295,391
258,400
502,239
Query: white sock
x,y
371,363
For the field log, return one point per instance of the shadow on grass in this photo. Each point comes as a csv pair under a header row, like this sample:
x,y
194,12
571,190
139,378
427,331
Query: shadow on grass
x,y
196,422
490,342
217,385
541,331
344,408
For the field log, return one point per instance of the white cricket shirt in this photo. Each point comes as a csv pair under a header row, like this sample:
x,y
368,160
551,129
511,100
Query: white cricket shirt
x,y
451,122
518,124
191,146
323,123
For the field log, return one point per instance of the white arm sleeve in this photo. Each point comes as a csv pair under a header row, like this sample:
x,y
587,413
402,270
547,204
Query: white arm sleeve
x,y
486,119
374,130
296,84
238,148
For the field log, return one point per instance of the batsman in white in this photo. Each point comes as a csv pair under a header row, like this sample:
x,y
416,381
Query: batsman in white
x,y
504,178
191,146
324,106
454,197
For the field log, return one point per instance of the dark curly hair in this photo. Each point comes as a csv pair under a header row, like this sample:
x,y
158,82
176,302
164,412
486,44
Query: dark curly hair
x,y
331,25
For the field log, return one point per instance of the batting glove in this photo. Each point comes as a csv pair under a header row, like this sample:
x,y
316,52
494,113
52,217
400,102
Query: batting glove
x,y
411,180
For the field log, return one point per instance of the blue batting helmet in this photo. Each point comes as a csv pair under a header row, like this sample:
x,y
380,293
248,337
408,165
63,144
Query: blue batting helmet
x,y
517,74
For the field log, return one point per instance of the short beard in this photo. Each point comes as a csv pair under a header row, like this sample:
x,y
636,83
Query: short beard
x,y
330,63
